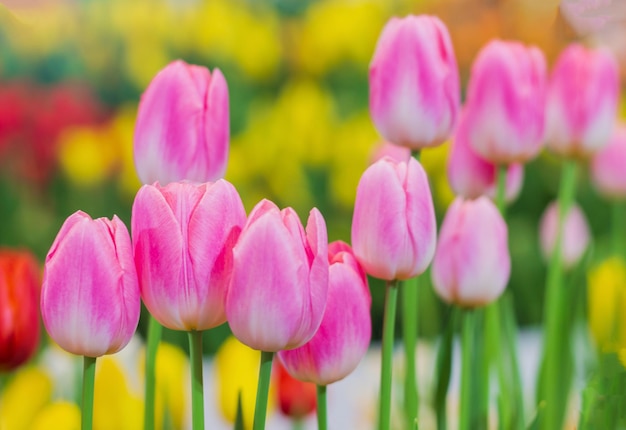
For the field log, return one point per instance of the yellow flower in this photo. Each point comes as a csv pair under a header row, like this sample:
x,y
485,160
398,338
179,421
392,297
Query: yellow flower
x,y
122,128
59,415
237,368
607,304
23,397
172,370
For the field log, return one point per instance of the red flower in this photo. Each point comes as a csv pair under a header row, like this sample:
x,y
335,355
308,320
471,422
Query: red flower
x,y
296,399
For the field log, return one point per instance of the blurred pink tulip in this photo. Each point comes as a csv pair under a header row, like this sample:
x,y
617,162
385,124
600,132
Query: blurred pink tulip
x,y
608,172
506,102
472,176
182,129
278,291
472,263
388,149
414,82
582,101
90,296
394,228
345,333
183,235
575,234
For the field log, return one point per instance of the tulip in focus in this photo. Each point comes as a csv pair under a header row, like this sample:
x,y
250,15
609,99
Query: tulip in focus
x,y
183,235
582,101
277,296
19,308
472,176
90,295
505,105
575,234
608,174
414,82
345,333
394,226
472,264
182,130
296,398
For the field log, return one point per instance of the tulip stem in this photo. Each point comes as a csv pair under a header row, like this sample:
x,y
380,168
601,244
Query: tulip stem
x,y
197,394
154,338
409,333
501,171
468,379
265,373
618,213
389,320
322,417
554,311
89,376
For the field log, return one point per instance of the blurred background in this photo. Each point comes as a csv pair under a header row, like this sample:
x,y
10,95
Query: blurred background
x,y
72,72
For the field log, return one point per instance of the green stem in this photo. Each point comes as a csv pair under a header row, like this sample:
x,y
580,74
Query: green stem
x,y
467,373
265,373
501,171
197,393
444,368
154,337
555,309
322,416
89,377
618,214
389,319
409,333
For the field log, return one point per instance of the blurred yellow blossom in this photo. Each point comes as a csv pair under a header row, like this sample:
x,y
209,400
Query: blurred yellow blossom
x,y
434,161
123,127
60,415
23,397
172,370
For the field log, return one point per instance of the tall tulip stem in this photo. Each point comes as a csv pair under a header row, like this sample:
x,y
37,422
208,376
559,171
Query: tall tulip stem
x,y
89,376
468,377
618,213
389,320
265,373
197,393
154,338
322,417
409,334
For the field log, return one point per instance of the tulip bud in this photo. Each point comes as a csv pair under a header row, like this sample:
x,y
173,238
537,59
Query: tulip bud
x,y
345,333
414,82
279,284
393,227
608,174
506,102
19,308
472,262
575,234
472,176
182,129
296,398
183,236
582,101
90,296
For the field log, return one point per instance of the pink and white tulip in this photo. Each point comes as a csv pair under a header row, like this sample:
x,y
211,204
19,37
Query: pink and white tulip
x,y
345,332
608,172
582,101
393,227
183,235
182,129
414,82
90,296
575,234
472,263
505,105
279,285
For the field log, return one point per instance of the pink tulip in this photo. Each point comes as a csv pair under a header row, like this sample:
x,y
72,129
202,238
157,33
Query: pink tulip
x,y
575,234
279,285
388,149
183,236
182,128
582,101
90,296
394,228
414,82
607,166
345,333
472,263
472,176
506,102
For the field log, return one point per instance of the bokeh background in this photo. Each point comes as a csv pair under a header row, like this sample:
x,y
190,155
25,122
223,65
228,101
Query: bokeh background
x,y
72,72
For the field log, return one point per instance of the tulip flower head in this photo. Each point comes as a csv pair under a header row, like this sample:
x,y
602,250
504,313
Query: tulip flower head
x,y
279,283
414,82
296,398
582,101
394,226
506,102
575,234
90,296
607,166
182,129
472,263
345,333
183,234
